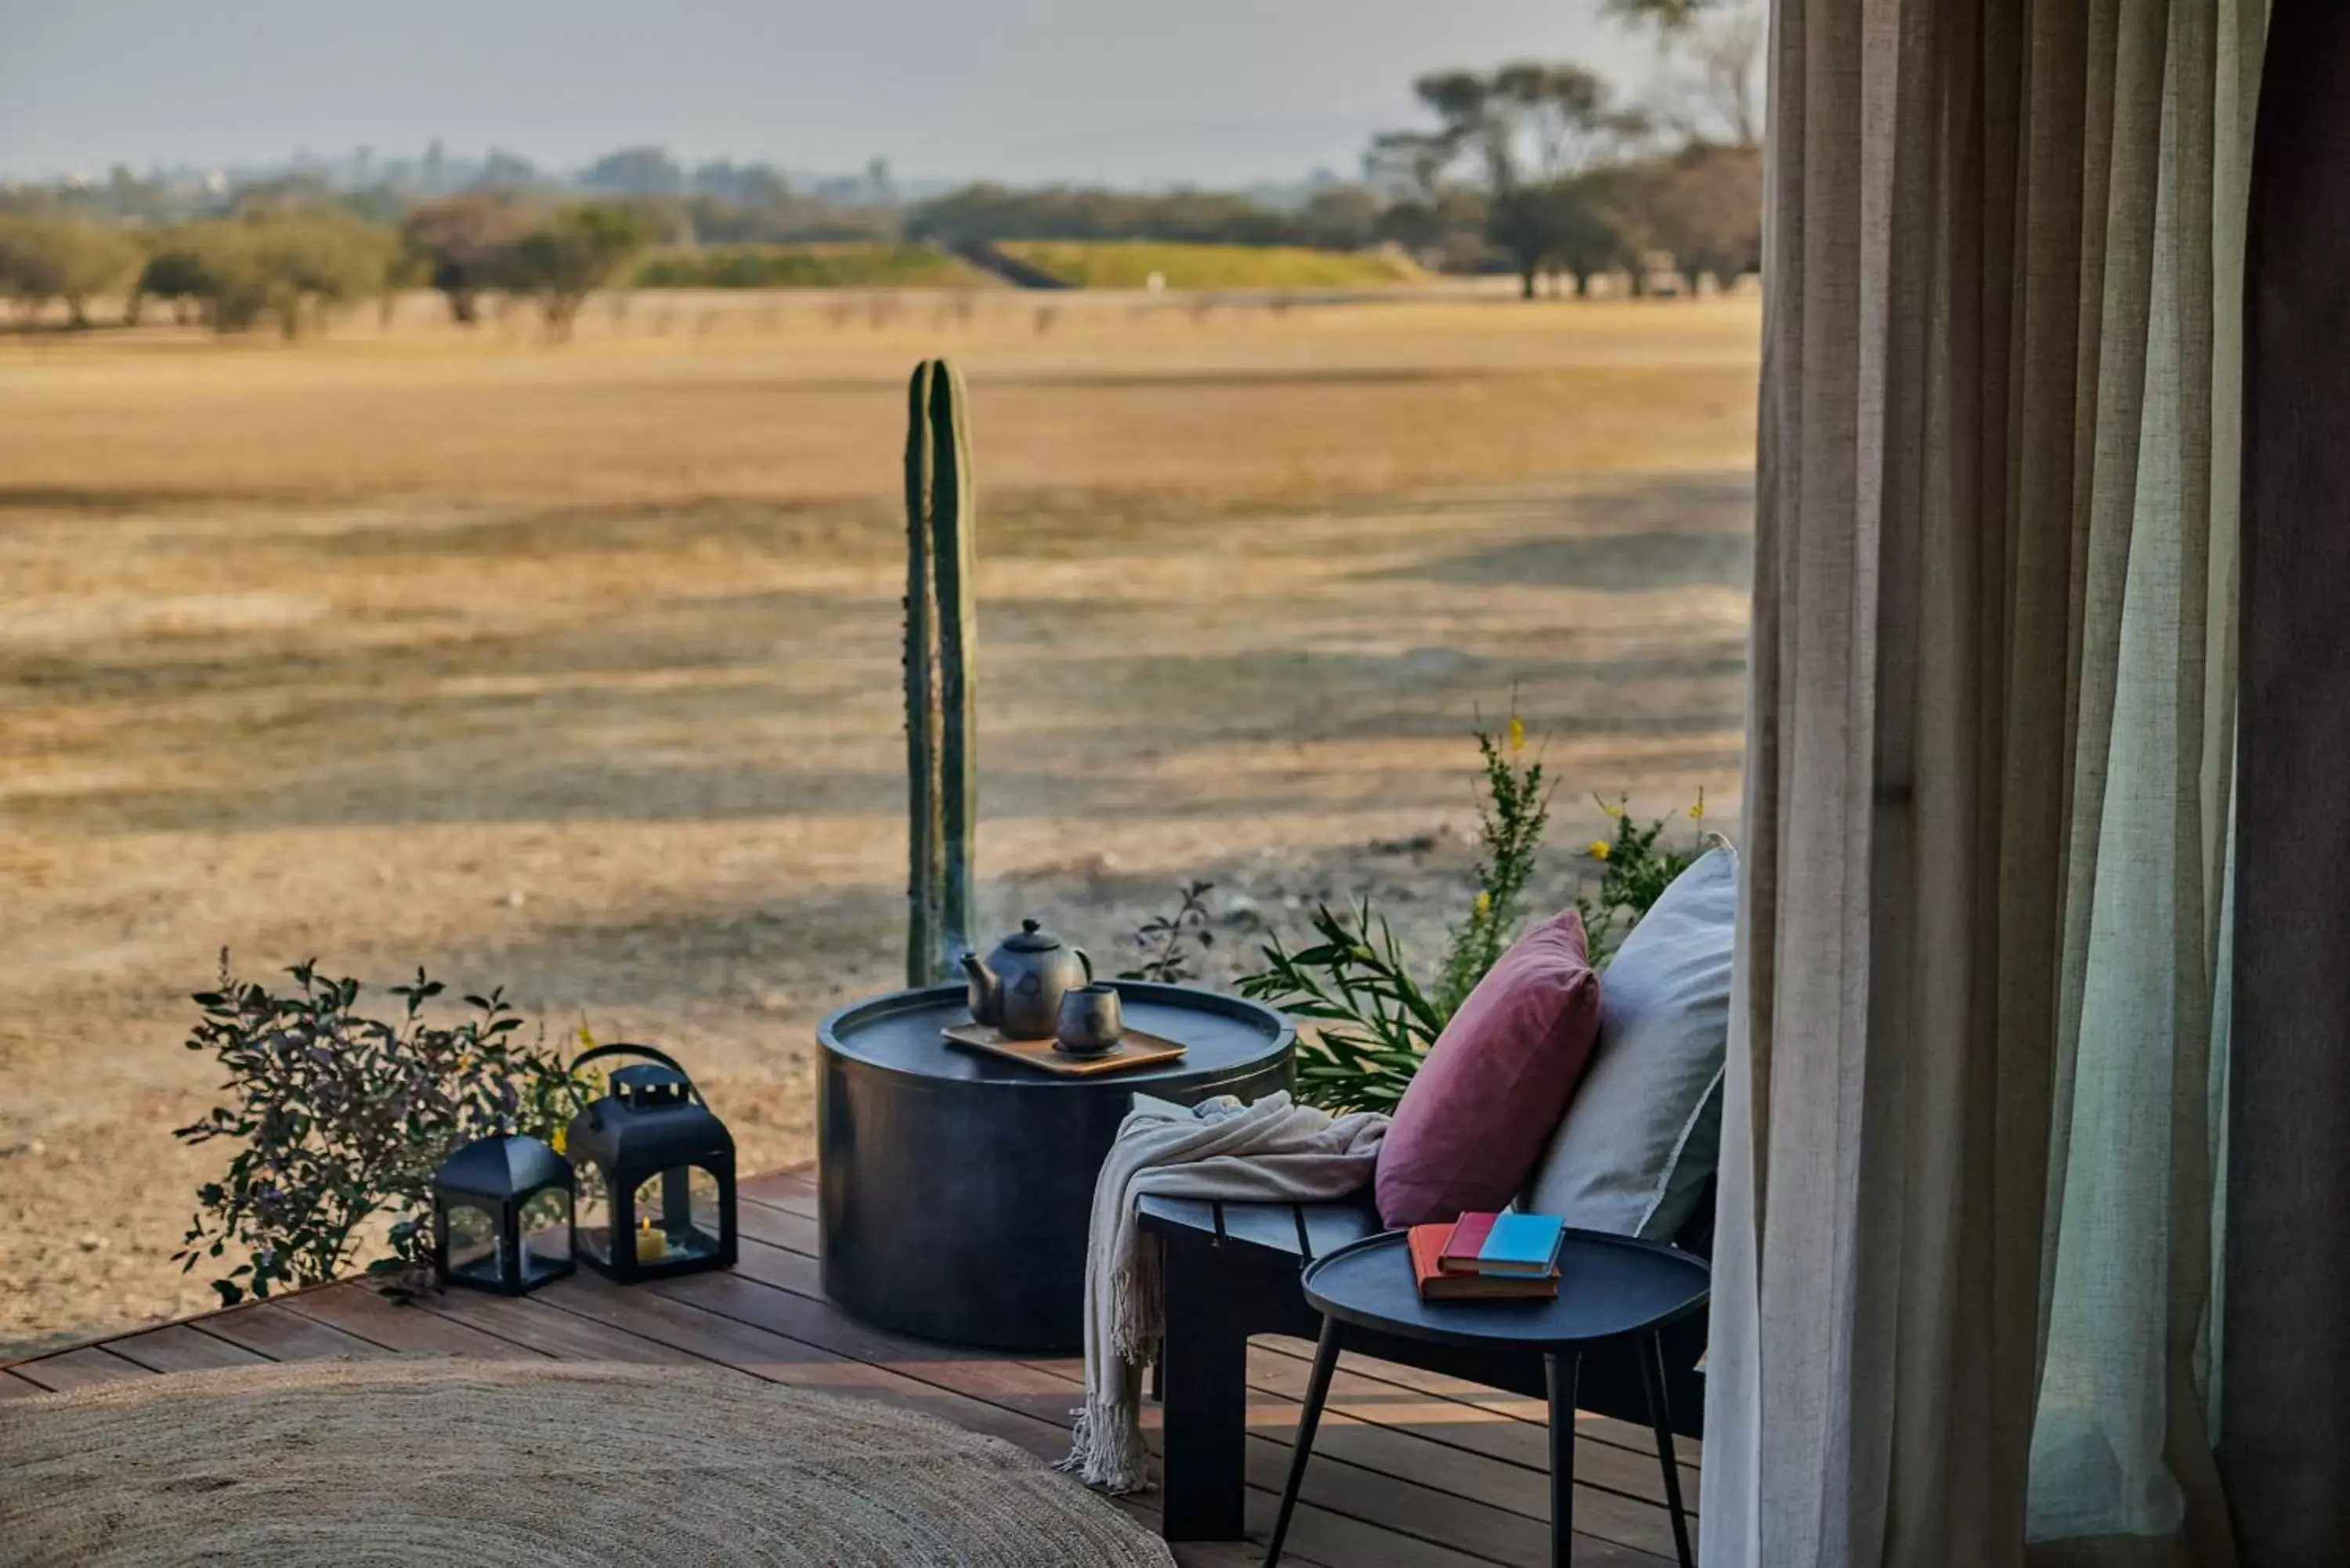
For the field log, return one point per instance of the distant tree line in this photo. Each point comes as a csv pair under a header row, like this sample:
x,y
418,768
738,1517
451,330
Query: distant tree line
x,y
1541,169
287,265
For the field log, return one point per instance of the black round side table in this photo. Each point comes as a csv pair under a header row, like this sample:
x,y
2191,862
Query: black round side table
x,y
954,1189
1611,1289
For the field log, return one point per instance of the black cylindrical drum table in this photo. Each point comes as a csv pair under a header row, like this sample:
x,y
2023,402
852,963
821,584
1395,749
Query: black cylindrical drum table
x,y
955,1187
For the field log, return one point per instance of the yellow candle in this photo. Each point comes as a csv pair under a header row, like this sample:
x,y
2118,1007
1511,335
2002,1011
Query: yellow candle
x,y
651,1245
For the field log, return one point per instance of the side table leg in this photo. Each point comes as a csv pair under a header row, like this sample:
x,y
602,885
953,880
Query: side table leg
x,y
1317,1390
1660,1416
1561,1371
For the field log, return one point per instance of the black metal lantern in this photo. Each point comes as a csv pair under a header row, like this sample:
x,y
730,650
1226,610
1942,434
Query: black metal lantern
x,y
502,1214
655,1171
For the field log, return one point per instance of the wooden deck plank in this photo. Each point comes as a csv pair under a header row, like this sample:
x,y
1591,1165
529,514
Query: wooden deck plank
x,y
282,1335
789,1190
85,1366
176,1347
14,1387
777,1227
779,1266
533,1325
1501,1402
408,1330
824,1326
794,1185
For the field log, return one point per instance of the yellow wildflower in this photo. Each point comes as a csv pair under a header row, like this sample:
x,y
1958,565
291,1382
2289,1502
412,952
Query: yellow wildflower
x,y
554,1140
1598,849
1697,812
586,1037
1517,733
1614,810
1484,902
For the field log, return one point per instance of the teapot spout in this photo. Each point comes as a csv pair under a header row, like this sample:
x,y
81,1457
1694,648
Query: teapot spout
x,y
986,991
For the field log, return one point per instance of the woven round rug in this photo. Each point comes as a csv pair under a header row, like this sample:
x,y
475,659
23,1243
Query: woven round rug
x,y
421,1460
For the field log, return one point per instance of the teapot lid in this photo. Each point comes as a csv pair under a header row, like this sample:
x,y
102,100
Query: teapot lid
x,y
1032,938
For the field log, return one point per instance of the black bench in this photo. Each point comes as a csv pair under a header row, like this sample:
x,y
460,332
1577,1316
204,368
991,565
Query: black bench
x,y
1232,1270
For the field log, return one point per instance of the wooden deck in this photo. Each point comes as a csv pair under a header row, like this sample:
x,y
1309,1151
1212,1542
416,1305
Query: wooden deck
x,y
1410,1470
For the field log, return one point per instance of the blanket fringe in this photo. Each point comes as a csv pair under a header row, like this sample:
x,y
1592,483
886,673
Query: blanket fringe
x,y
1137,1306
1107,1451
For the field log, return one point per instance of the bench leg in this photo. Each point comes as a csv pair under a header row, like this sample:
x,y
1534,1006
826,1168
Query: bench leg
x,y
1317,1391
1204,1412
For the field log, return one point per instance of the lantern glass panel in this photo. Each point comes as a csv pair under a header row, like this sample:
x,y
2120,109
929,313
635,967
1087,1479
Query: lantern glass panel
x,y
677,1215
546,1233
594,1215
476,1249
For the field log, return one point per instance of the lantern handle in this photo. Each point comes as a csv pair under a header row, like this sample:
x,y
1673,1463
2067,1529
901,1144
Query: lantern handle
x,y
650,1053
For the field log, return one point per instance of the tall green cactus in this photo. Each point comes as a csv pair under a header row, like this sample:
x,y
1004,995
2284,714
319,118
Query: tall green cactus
x,y
941,647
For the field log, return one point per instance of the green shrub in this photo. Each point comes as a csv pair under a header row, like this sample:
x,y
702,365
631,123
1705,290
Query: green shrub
x,y
341,1119
1372,1020
1636,866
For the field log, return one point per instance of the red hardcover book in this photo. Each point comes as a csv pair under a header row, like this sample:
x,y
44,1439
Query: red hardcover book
x,y
1463,1239
1426,1244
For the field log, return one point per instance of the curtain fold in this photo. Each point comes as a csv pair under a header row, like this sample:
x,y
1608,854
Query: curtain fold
x,y
1963,1280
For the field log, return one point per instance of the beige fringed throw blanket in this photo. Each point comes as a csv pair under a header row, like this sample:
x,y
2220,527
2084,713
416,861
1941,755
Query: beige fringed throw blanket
x,y
1273,1150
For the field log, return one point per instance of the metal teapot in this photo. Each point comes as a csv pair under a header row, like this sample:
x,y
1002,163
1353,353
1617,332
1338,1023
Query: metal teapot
x,y
1018,989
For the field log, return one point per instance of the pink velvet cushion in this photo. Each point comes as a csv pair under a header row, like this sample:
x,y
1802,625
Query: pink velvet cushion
x,y
1496,1083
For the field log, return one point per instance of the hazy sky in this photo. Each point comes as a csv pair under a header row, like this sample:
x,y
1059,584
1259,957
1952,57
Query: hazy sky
x,y
1216,91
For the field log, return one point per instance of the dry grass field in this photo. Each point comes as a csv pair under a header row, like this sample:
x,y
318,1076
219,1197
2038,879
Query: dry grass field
x,y
576,670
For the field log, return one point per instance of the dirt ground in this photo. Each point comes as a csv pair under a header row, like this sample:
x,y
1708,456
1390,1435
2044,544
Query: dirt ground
x,y
576,670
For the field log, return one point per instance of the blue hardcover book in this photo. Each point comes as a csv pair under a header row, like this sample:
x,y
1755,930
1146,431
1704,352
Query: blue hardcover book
x,y
1521,1244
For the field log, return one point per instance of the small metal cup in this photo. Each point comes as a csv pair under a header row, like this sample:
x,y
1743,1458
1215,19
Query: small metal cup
x,y
1090,1021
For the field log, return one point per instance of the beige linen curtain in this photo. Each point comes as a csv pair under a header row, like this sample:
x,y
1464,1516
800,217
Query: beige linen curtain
x,y
1963,1309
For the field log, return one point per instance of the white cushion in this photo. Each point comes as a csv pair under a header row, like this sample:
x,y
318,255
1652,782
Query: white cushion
x,y
1644,1130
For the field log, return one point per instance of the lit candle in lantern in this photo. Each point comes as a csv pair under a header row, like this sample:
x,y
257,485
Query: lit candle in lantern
x,y
652,1246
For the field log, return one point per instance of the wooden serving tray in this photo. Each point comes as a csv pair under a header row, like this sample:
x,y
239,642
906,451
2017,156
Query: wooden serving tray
x,y
1136,1050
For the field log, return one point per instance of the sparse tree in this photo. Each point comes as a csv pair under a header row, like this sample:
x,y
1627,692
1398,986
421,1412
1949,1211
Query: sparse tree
x,y
1586,235
1704,205
467,246
1530,130
576,251
175,273
44,259
308,263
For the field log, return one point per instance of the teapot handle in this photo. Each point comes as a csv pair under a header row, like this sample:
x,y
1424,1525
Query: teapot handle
x,y
1086,958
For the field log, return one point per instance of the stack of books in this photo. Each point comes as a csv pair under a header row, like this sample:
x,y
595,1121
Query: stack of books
x,y
1488,1257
